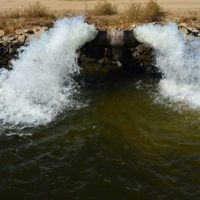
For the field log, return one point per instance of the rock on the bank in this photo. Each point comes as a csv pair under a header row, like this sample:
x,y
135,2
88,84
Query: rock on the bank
x,y
9,44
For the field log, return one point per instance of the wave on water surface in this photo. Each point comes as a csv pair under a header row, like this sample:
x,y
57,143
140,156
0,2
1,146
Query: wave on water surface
x,y
41,83
178,58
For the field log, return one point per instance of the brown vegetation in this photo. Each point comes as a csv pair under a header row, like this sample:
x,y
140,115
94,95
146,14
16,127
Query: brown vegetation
x,y
104,16
153,11
104,8
35,9
33,14
137,12
190,16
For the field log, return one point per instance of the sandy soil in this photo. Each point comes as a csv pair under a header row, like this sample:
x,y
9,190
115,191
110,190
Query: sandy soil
x,y
174,6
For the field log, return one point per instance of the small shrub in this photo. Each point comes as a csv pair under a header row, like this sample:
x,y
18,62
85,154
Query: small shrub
x,y
190,16
137,12
10,20
153,11
104,8
10,14
35,9
133,12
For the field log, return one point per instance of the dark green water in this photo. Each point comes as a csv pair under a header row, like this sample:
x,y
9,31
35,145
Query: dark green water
x,y
121,146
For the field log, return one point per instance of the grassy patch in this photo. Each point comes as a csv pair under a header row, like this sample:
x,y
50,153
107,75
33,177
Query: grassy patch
x,y
153,11
148,12
134,12
35,9
104,8
32,14
190,16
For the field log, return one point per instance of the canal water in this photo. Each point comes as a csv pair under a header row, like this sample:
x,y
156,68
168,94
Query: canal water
x,y
122,145
120,137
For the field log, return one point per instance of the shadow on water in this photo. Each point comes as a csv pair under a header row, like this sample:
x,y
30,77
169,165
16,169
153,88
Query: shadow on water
x,y
121,145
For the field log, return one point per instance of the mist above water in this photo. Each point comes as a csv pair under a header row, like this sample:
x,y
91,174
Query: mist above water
x,y
178,58
41,84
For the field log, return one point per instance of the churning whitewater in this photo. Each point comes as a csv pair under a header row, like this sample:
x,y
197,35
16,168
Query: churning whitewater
x,y
178,58
41,83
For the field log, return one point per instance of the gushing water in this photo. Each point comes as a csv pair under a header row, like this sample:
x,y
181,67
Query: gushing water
x,y
41,83
178,58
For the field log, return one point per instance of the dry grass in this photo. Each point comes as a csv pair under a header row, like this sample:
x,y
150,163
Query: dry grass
x,y
133,13
35,9
104,8
34,13
103,16
103,22
148,12
153,11
190,16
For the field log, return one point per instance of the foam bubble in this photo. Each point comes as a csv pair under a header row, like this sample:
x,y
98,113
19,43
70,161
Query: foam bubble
x,y
178,58
41,84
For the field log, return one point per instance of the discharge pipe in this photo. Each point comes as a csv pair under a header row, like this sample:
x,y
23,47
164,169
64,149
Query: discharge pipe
x,y
115,39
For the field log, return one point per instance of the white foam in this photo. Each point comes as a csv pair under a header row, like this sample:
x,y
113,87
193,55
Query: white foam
x,y
178,58
41,84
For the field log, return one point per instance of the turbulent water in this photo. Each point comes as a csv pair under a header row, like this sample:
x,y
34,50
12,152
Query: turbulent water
x,y
41,83
178,58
